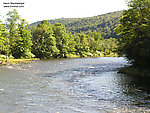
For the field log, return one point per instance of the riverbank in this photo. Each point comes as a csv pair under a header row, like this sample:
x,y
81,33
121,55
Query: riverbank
x,y
11,61
90,55
135,71
16,61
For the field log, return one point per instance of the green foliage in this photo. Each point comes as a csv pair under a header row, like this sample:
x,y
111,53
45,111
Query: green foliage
x,y
54,40
2,38
12,24
62,39
104,24
16,38
21,45
13,36
4,47
44,43
134,32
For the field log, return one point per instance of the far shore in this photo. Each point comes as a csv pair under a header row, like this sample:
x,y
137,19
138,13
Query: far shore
x,y
16,61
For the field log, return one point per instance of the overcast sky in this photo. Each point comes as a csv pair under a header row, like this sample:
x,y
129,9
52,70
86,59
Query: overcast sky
x,y
36,10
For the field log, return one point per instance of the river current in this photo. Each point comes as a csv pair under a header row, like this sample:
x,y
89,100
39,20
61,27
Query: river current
x,y
83,85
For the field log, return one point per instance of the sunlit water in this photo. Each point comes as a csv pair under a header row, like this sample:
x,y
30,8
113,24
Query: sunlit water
x,y
87,85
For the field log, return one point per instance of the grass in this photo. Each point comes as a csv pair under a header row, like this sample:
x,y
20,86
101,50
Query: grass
x,y
16,61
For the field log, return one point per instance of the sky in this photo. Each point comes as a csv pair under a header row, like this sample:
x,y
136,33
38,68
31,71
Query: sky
x,y
37,10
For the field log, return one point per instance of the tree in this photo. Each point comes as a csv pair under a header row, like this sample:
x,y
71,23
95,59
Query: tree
x,y
12,23
82,46
44,43
21,46
78,46
13,19
94,40
19,36
134,32
2,38
62,39
71,44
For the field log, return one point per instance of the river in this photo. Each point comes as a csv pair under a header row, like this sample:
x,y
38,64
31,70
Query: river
x,y
83,85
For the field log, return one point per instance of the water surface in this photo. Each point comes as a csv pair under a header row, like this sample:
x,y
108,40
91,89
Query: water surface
x,y
86,85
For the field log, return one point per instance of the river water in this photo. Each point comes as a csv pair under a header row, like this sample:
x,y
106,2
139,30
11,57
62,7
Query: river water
x,y
84,85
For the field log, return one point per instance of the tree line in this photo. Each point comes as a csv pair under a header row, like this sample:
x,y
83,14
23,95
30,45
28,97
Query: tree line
x,y
49,41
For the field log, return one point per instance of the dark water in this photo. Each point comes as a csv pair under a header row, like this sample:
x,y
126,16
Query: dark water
x,y
88,85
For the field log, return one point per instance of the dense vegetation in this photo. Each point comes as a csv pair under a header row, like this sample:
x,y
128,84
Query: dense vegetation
x,y
53,41
104,24
15,39
134,31
50,40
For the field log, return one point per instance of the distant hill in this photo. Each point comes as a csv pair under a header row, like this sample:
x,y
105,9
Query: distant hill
x,y
104,24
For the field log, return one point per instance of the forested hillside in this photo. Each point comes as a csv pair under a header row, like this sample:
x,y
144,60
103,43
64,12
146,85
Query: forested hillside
x,y
103,24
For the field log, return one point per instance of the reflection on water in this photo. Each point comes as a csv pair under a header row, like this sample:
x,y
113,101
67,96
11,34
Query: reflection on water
x,y
72,86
